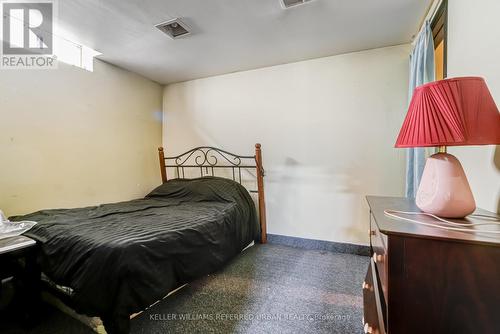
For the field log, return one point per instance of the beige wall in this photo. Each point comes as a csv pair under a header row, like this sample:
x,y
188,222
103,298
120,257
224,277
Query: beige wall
x,y
72,138
327,127
474,49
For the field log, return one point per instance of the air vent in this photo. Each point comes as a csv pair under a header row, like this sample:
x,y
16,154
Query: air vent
x,y
292,3
174,28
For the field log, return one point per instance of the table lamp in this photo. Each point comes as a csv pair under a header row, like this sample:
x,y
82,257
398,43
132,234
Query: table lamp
x,y
450,112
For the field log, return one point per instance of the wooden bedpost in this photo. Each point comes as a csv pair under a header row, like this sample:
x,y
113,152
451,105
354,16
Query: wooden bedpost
x,y
161,156
260,188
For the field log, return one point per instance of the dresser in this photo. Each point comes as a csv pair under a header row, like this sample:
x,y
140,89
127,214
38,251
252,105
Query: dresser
x,y
428,280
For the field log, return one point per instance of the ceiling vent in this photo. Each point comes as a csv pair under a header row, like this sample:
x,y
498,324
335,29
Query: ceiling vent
x,y
292,3
174,28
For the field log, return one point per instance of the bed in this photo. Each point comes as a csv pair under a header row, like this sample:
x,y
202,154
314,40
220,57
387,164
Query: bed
x,y
117,259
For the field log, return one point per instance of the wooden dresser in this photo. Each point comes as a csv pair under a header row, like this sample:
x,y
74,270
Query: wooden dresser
x,y
428,280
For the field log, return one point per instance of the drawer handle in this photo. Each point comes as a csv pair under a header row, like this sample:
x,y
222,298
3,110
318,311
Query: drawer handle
x,y
366,286
377,257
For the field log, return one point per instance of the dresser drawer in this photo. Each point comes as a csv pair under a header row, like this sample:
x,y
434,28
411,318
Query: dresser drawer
x,y
372,308
380,255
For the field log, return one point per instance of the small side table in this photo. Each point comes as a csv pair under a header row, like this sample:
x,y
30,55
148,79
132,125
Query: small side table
x,y
423,279
18,260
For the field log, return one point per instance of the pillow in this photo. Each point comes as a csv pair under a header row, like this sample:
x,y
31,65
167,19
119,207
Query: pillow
x,y
209,188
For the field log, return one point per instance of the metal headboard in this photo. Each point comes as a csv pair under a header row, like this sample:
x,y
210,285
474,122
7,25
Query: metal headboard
x,y
207,159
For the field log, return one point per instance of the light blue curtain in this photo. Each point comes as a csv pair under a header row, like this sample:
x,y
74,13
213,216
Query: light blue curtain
x,y
421,72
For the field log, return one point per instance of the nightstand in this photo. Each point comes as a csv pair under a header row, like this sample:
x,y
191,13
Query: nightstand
x,y
18,261
429,280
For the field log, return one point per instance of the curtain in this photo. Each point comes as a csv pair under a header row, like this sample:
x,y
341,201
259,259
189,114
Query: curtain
x,y
421,72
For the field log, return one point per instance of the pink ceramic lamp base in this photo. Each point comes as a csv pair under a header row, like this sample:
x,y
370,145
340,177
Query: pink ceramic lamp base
x,y
444,190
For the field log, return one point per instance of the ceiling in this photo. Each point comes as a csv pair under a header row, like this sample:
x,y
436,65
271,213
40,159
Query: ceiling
x,y
234,35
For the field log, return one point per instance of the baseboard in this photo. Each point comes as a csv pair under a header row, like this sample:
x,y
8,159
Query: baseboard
x,y
331,246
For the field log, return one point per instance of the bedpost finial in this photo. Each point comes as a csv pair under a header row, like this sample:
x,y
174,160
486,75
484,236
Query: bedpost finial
x,y
257,146
160,149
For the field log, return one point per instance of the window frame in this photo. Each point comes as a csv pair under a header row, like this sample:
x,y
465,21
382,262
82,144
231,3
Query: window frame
x,y
439,26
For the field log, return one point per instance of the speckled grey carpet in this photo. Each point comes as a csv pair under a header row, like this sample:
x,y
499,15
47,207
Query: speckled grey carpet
x,y
266,289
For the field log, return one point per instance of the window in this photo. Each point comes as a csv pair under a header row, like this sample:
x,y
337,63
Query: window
x,y
65,49
73,53
439,27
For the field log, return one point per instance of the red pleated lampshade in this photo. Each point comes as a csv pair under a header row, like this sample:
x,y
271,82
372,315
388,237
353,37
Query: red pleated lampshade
x,y
451,112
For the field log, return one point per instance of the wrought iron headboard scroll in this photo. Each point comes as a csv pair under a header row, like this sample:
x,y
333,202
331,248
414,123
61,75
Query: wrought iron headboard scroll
x,y
207,159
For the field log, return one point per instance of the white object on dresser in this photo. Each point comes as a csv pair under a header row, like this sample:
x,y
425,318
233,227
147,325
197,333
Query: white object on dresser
x,y
11,229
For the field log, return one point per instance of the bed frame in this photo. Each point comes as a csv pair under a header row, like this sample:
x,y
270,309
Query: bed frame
x,y
207,159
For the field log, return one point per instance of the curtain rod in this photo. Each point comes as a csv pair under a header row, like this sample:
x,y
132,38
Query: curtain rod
x,y
431,12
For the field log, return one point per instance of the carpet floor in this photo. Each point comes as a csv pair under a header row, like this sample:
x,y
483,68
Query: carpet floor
x,y
266,289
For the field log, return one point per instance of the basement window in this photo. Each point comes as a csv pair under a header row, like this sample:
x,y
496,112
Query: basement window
x,y
74,54
68,51
65,49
